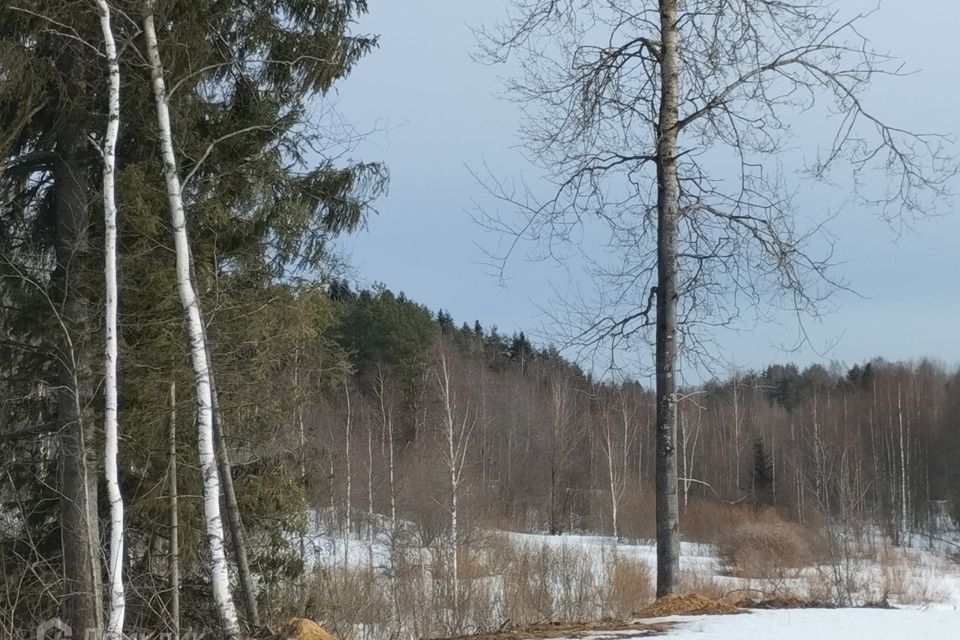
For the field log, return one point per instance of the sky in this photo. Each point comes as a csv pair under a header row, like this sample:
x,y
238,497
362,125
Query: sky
x,y
436,114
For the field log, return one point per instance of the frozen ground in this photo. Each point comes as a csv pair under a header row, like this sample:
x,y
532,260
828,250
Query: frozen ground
x,y
941,623
920,579
917,574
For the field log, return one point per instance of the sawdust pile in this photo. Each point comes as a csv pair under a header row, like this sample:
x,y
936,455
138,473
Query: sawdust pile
x,y
686,604
301,629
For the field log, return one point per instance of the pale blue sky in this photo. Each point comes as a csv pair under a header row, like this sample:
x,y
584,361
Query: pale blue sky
x,y
441,115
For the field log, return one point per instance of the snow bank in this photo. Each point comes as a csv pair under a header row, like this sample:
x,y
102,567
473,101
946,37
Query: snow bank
x,y
822,624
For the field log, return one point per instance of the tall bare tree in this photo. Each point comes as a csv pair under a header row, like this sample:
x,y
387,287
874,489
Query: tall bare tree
x,y
620,423
117,603
666,122
458,421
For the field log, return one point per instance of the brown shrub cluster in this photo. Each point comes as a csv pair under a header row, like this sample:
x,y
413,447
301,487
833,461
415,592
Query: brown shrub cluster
x,y
766,546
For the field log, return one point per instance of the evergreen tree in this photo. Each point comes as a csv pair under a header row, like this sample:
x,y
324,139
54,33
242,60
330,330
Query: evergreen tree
x,y
761,476
264,195
520,348
445,320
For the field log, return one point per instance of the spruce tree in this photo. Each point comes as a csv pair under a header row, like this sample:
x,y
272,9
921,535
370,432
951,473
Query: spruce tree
x,y
264,193
761,476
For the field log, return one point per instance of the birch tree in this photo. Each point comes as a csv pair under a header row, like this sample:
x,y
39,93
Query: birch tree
x,y
665,124
620,426
264,167
117,603
219,569
174,516
458,422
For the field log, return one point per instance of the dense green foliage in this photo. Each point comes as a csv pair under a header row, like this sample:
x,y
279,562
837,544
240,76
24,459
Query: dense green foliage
x,y
266,187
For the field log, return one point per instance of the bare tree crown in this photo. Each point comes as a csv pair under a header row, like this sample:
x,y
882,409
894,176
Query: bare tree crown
x,y
589,84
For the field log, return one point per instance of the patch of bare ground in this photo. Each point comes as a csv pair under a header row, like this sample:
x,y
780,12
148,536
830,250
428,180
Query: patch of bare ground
x,y
596,629
687,604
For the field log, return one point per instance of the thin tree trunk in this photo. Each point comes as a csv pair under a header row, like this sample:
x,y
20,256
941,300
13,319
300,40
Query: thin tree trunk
x,y
111,426
81,605
904,508
346,539
219,569
667,509
370,478
387,421
457,437
302,455
234,520
370,526
611,475
174,560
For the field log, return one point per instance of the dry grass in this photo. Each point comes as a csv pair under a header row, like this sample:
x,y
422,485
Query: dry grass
x,y
630,584
899,582
699,580
509,583
501,582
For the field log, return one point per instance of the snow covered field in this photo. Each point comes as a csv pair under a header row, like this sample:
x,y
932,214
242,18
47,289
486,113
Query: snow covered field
x,y
822,624
921,581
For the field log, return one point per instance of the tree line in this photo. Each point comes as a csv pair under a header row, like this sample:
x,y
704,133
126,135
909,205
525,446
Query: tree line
x,y
550,448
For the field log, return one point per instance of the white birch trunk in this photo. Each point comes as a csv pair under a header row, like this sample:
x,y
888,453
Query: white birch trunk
x,y
457,434
370,524
349,523
452,468
174,555
612,478
904,510
219,569
387,420
370,479
117,604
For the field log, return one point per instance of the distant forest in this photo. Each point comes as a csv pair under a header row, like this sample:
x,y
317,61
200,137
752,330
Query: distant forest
x,y
553,450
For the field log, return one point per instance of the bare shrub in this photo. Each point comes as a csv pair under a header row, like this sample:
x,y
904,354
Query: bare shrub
x,y
767,547
629,584
527,588
899,581
347,599
706,520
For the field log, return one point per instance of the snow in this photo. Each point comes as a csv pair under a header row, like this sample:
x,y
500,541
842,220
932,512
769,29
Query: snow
x,y
921,572
821,624
905,575
695,555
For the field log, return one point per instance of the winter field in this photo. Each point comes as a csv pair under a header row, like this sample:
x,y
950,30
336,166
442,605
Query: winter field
x,y
518,578
821,624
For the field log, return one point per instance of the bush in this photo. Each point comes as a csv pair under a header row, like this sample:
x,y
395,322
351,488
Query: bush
x,y
766,548
630,584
